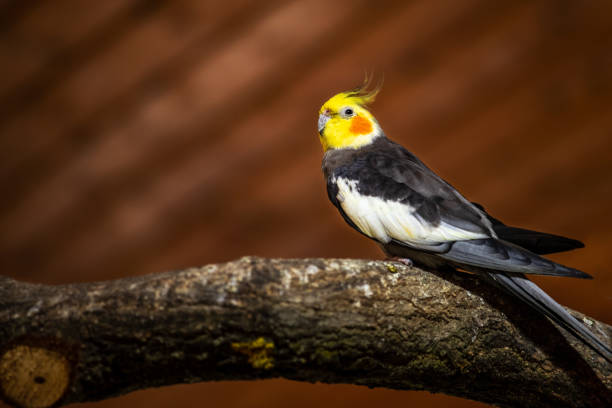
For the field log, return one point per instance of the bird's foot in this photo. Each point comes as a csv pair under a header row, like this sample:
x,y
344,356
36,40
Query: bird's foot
x,y
406,261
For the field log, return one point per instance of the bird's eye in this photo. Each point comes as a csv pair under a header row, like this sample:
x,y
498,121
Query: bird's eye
x,y
348,112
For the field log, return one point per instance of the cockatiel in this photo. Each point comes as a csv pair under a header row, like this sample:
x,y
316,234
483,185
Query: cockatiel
x,y
387,194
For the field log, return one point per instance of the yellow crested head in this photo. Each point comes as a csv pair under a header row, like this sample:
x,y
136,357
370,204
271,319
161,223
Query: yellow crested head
x,y
344,121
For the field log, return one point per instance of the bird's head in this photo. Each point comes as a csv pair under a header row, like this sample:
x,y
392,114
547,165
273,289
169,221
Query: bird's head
x,y
344,121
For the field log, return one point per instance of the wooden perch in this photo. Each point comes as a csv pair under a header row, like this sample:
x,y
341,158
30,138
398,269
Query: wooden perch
x,y
373,323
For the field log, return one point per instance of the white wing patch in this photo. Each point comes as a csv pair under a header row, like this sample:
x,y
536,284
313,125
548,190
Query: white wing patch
x,y
385,219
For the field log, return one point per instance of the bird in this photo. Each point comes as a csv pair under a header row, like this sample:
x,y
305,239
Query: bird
x,y
386,193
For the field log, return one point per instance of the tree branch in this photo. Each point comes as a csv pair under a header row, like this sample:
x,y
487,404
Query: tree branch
x,y
373,323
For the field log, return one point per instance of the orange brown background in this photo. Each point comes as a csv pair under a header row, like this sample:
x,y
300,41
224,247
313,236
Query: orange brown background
x,y
144,136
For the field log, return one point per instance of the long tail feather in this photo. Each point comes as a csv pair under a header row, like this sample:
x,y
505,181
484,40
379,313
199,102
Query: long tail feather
x,y
535,297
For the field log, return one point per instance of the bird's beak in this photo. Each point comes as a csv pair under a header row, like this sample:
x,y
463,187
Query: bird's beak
x,y
323,118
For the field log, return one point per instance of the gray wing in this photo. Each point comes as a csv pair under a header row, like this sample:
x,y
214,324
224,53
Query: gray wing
x,y
439,202
434,199
535,241
497,255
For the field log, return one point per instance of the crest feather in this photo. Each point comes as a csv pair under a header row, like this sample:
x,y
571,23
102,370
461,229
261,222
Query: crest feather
x,y
365,94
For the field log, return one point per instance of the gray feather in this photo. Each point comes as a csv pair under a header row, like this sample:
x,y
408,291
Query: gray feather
x,y
530,293
504,256
537,242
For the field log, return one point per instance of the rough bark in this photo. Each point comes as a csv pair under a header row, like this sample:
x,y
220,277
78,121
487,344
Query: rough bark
x,y
374,323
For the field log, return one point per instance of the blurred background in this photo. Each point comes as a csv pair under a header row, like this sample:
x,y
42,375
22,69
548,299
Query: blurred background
x,y
144,136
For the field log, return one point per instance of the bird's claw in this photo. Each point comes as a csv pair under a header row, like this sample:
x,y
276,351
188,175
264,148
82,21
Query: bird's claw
x,y
406,261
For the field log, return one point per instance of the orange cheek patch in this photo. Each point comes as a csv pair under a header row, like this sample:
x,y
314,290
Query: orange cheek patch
x,y
360,126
